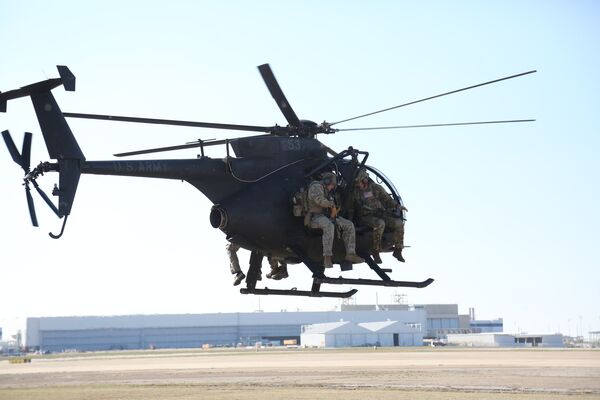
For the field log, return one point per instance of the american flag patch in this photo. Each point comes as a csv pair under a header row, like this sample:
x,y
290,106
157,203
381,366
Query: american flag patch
x,y
367,195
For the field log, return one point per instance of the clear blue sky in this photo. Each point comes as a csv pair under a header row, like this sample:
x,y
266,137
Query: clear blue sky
x,y
505,218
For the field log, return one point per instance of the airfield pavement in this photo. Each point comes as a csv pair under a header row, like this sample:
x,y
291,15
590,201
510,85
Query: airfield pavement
x,y
362,373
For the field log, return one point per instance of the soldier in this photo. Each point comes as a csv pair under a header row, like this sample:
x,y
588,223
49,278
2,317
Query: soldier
x,y
278,269
372,205
319,201
234,263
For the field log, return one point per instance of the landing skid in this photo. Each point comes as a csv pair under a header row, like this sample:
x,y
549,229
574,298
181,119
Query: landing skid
x,y
374,282
295,292
320,278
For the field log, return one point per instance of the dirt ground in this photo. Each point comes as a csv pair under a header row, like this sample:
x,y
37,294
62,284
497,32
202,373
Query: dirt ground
x,y
302,374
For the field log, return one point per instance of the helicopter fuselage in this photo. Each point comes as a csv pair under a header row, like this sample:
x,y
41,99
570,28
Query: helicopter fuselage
x,y
251,192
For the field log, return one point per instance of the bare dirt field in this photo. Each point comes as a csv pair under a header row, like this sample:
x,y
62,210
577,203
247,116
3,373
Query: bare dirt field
x,y
308,374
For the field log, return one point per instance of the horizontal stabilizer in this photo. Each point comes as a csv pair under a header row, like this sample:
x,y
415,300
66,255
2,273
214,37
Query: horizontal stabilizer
x,y
67,79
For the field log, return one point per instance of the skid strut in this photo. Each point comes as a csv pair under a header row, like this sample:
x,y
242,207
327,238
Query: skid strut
x,y
319,278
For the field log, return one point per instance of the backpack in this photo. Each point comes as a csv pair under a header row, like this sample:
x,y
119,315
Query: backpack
x,y
300,203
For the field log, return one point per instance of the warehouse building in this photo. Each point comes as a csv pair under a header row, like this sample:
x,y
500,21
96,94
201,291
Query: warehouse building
x,y
494,339
393,333
334,334
191,330
441,320
349,334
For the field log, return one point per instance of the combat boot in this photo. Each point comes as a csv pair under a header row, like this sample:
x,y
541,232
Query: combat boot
x,y
280,274
354,259
327,262
239,277
376,257
398,254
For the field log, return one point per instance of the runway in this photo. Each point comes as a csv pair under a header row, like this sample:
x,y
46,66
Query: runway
x,y
298,373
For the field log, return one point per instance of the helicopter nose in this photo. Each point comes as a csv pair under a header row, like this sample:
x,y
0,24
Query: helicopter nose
x,y
218,217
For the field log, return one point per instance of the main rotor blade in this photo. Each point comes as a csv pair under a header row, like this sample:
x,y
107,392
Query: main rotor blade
x,y
277,93
233,127
168,148
31,206
436,96
200,143
435,125
26,151
12,148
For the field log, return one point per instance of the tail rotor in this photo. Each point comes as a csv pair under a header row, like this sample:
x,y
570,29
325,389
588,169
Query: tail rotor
x,y
23,159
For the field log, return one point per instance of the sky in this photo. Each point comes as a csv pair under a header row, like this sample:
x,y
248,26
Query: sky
x,y
504,217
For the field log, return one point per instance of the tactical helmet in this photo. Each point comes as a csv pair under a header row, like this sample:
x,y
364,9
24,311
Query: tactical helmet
x,y
328,178
362,175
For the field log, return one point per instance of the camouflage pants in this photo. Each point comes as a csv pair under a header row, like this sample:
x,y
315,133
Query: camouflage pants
x,y
379,224
234,262
347,230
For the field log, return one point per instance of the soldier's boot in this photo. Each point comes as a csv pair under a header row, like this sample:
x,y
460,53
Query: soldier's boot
x,y
376,249
376,257
280,274
327,262
354,259
398,254
239,277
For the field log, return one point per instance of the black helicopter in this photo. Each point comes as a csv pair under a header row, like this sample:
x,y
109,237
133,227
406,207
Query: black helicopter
x,y
252,191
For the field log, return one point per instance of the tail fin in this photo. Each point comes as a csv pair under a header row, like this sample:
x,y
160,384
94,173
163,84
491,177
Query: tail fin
x,y
60,142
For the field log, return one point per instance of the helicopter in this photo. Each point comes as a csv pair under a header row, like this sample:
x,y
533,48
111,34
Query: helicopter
x,y
252,191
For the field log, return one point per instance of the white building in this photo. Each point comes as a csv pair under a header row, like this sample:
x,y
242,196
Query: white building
x,y
393,333
190,330
494,339
348,334
442,319
334,334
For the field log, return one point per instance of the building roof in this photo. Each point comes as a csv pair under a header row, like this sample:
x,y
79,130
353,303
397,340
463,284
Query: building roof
x,y
343,327
378,326
388,327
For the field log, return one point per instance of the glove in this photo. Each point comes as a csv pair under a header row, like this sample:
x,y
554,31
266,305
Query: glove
x,y
334,212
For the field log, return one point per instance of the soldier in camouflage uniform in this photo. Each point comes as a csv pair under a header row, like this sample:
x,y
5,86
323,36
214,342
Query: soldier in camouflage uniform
x,y
372,205
234,263
323,215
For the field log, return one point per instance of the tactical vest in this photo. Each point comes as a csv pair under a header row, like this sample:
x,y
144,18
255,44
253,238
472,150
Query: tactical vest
x,y
369,198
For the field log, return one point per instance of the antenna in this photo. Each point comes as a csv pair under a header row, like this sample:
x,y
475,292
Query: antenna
x,y
399,298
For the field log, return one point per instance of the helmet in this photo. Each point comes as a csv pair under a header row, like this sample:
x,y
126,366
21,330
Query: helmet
x,y
328,178
362,175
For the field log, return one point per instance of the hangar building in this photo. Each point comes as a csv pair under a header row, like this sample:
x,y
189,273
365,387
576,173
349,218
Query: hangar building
x,y
191,330
442,319
494,339
348,334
